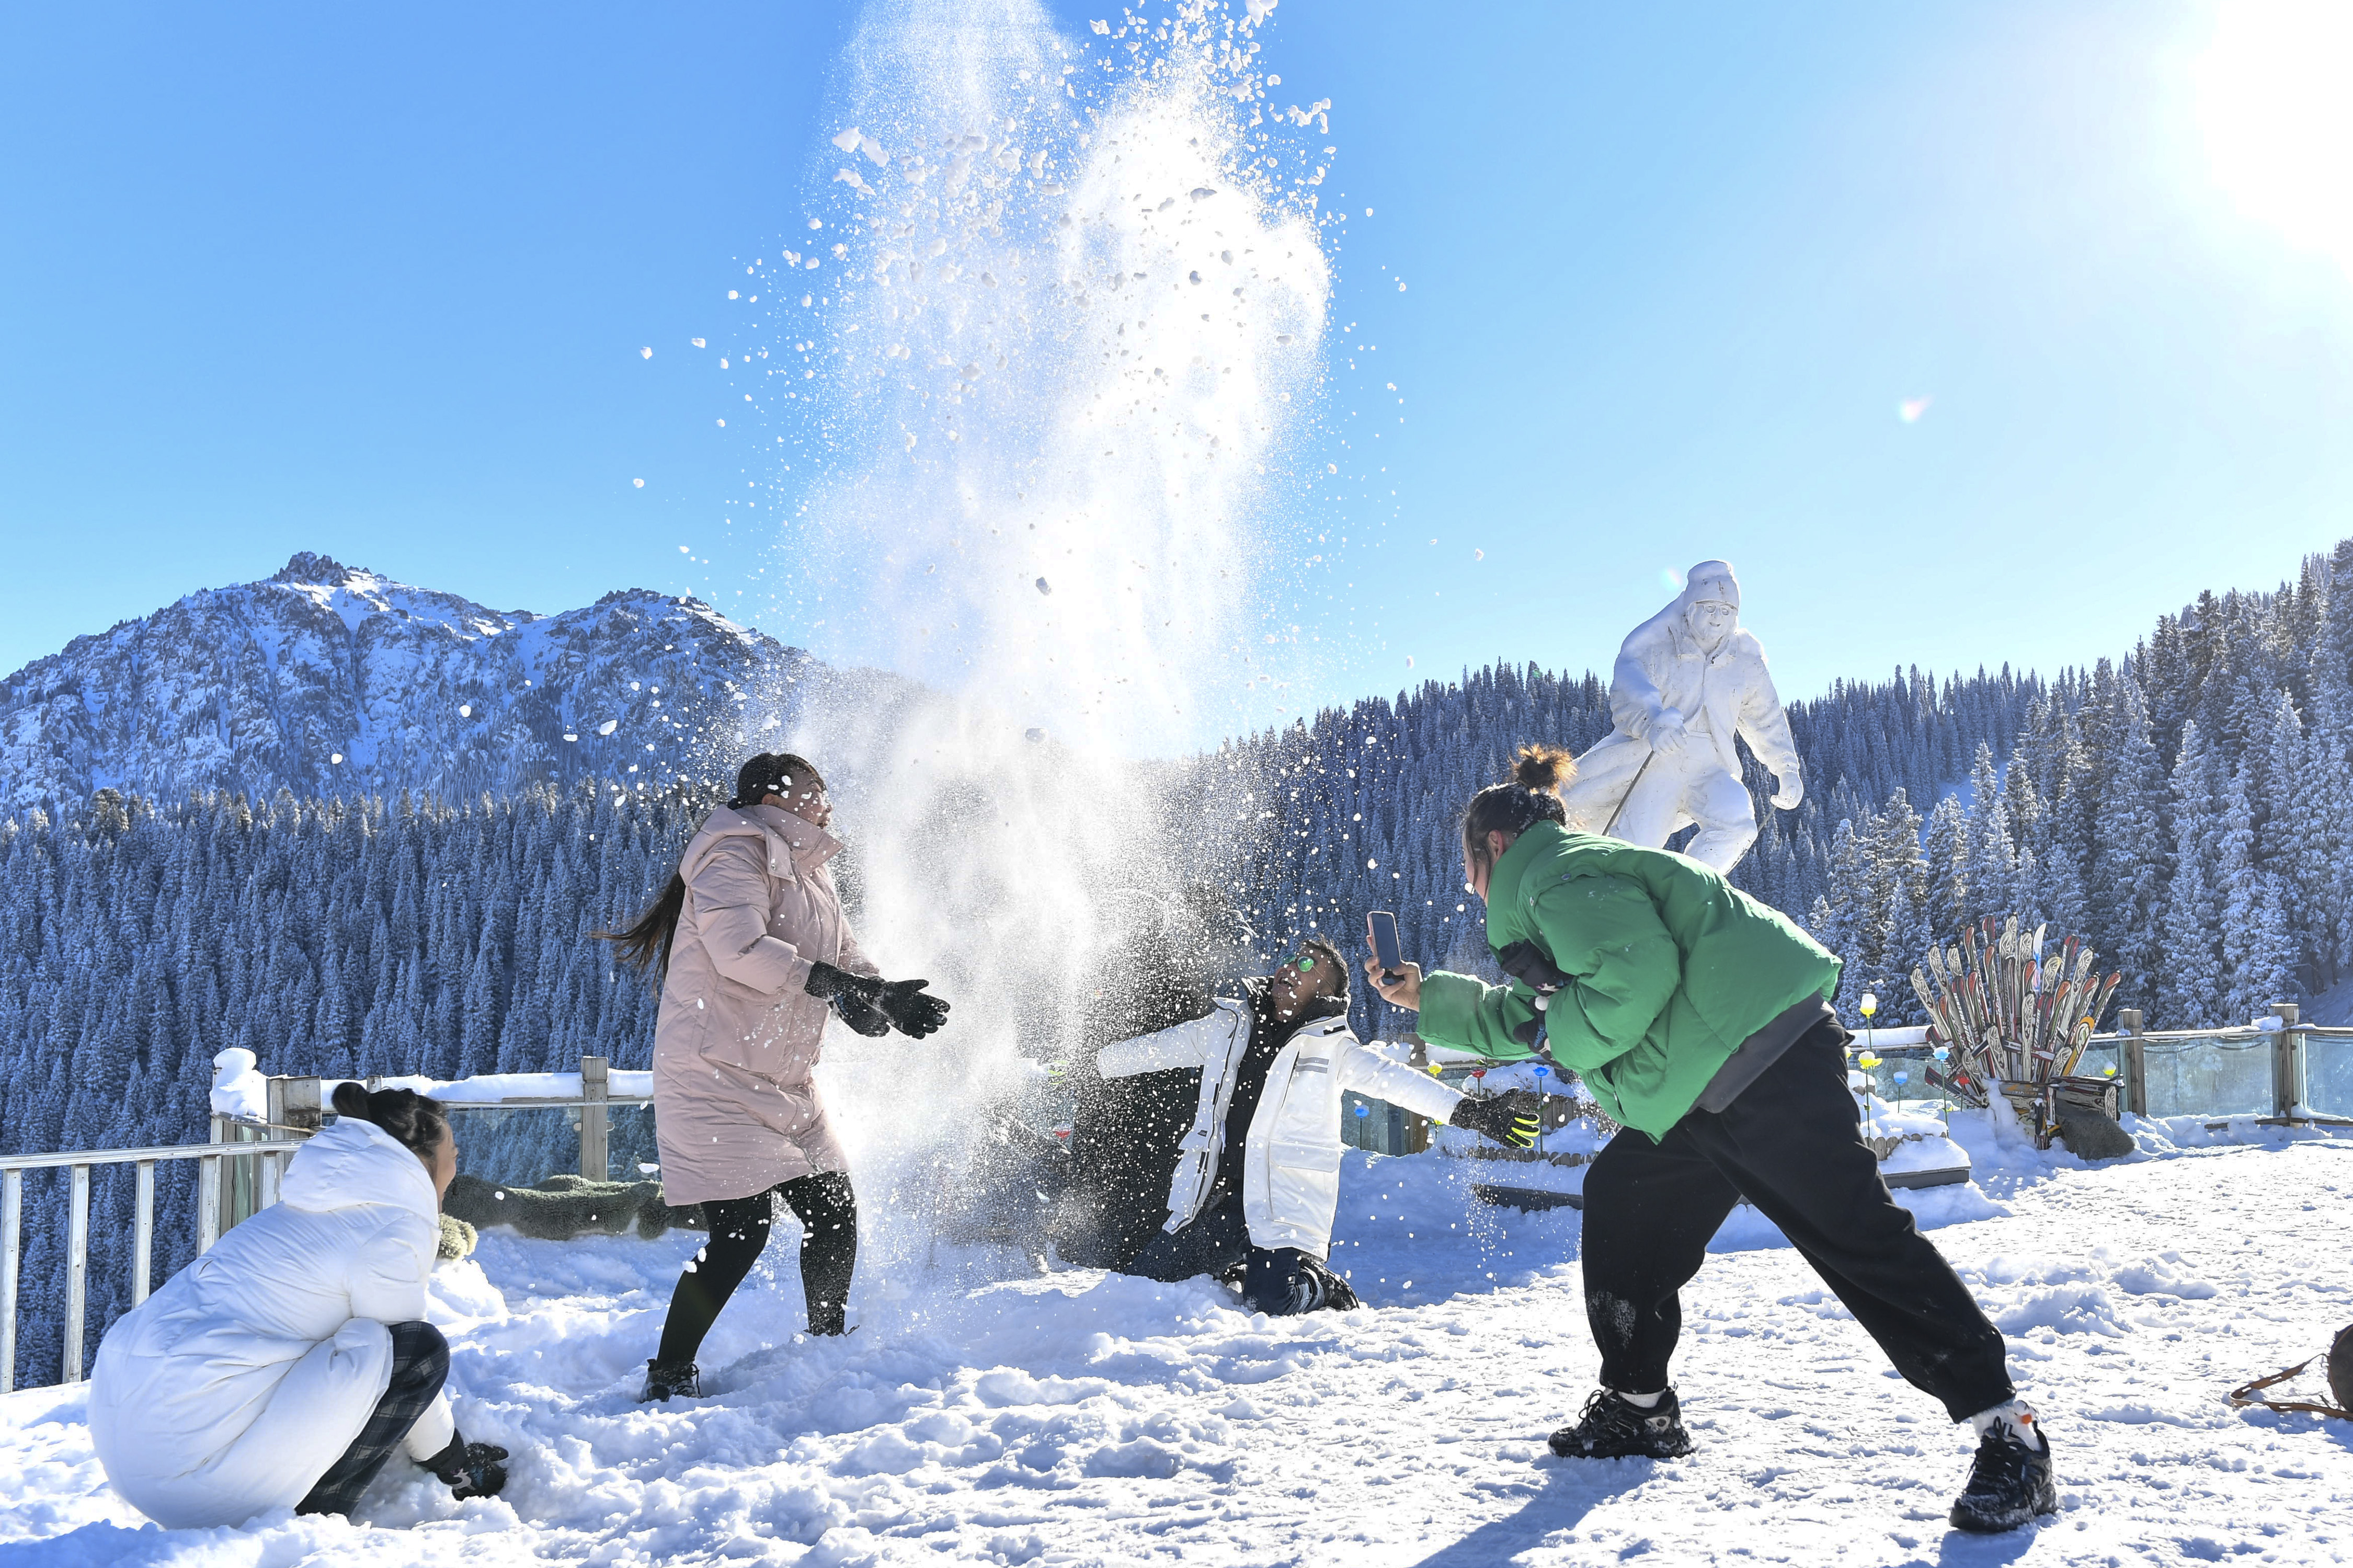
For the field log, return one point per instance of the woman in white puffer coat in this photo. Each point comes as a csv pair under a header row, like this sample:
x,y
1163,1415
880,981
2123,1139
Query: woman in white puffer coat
x,y
283,1367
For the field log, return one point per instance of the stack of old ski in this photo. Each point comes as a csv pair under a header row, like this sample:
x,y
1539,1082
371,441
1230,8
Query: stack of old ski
x,y
2015,1013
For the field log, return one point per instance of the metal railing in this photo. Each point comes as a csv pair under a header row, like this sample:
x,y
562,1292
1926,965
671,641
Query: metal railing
x,y
80,1162
2288,1044
2158,1071
238,1176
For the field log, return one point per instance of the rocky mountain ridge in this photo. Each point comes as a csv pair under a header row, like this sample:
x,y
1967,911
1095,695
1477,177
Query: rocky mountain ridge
x,y
330,680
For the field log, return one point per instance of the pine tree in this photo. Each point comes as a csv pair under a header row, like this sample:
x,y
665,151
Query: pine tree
x,y
1990,862
2258,953
1943,849
2191,991
2131,862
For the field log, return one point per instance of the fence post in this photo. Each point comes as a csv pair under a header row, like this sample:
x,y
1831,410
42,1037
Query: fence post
x,y
208,1198
12,1214
2287,1062
296,1105
2134,1053
595,1162
293,1112
76,1269
142,1234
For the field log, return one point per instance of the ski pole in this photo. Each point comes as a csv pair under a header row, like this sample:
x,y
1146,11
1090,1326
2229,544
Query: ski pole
x,y
1629,790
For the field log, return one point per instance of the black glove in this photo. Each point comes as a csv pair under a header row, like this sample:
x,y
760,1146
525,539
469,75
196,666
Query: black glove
x,y
910,1010
469,1469
860,1014
1498,1120
1526,963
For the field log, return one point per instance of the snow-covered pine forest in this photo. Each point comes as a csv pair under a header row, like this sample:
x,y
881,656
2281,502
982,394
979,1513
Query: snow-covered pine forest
x,y
2185,806
2188,807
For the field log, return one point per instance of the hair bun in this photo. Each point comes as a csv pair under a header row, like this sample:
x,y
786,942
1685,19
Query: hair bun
x,y
1542,767
416,1123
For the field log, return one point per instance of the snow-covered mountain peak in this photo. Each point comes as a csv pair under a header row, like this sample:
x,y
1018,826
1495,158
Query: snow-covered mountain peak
x,y
331,680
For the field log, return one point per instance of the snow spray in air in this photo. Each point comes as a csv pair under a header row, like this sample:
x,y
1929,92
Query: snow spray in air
x,y
1076,323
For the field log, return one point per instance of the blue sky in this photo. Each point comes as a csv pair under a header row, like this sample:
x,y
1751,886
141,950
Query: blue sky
x,y
373,281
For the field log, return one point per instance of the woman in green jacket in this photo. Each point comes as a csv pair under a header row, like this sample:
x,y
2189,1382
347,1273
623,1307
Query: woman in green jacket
x,y
1698,1018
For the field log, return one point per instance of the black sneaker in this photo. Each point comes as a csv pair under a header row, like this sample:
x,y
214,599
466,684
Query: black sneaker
x,y
1612,1427
1284,1282
667,1381
2008,1484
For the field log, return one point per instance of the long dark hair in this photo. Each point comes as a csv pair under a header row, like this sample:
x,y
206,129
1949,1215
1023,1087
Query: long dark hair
x,y
647,943
1531,795
417,1124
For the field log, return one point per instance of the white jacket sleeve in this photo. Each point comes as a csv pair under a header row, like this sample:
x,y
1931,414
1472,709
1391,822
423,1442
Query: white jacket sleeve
x,y
1370,1073
387,1285
1186,1045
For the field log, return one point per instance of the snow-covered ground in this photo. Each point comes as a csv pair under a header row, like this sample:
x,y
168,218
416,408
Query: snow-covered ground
x,y
985,1415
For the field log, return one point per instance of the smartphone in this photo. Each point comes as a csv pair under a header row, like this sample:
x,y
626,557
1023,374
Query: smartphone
x,y
1381,925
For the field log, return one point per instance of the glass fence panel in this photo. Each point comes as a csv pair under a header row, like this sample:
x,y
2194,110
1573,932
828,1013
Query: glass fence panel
x,y
1900,1076
1371,1124
515,1148
2328,1076
526,1145
2100,1058
2209,1078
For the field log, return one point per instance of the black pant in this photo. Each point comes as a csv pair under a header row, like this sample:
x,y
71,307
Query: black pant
x,y
827,1209
1216,1241
420,1364
1790,1144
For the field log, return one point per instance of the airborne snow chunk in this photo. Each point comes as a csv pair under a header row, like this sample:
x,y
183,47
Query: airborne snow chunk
x,y
1043,587
608,726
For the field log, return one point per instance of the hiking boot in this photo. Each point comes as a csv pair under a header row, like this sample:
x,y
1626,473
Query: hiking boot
x,y
1323,1291
2009,1483
1284,1282
1612,1427
667,1379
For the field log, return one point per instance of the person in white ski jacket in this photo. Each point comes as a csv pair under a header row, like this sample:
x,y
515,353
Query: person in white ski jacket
x,y
1258,1174
282,1368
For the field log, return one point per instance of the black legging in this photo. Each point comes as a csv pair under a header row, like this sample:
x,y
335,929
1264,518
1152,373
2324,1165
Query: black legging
x,y
828,1210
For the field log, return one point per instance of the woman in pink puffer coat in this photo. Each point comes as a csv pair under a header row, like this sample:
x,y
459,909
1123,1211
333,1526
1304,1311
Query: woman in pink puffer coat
x,y
754,951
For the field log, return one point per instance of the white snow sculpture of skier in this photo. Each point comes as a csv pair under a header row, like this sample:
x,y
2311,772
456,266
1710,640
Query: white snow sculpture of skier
x,y
1687,681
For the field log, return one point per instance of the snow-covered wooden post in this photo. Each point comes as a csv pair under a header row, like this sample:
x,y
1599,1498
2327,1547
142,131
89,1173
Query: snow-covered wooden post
x,y
2133,1053
594,1077
2287,1062
293,1107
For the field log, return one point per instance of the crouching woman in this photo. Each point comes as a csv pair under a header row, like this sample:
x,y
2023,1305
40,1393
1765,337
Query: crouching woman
x,y
282,1368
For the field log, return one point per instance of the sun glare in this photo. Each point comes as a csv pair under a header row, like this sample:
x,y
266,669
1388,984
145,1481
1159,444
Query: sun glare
x,y
2274,100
